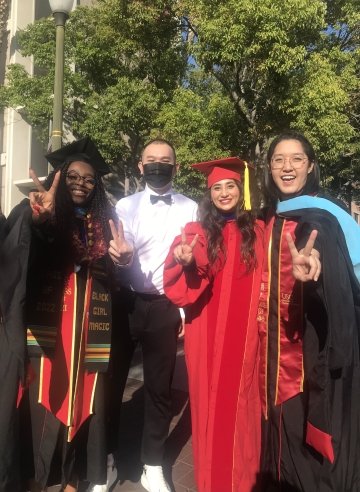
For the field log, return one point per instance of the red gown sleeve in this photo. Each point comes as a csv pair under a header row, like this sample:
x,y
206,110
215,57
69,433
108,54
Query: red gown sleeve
x,y
184,285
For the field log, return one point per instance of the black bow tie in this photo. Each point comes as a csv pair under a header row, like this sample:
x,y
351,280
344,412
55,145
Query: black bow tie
x,y
165,198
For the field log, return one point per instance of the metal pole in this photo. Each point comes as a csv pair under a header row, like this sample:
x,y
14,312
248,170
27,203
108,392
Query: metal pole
x,y
57,130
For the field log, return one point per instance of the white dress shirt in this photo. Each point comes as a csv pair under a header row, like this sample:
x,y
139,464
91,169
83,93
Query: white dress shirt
x,y
151,229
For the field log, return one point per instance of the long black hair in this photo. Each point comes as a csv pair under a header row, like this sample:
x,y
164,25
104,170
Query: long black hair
x,y
213,222
272,193
98,207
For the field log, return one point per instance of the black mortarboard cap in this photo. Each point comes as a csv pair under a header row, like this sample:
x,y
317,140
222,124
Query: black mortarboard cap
x,y
84,147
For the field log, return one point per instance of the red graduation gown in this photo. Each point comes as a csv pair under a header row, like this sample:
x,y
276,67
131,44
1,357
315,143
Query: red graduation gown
x,y
221,347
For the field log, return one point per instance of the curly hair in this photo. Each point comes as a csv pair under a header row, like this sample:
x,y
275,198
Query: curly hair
x,y
213,223
98,209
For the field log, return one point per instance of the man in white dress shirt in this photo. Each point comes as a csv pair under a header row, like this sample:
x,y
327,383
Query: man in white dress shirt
x,y
149,222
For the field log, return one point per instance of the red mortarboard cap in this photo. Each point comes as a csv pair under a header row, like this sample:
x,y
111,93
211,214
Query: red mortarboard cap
x,y
80,148
226,168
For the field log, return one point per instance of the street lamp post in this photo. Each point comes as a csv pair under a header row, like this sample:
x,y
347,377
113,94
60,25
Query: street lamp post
x,y
60,10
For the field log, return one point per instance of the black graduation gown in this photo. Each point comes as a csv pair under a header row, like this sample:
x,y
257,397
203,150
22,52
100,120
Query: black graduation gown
x,y
2,221
26,252
330,401
14,250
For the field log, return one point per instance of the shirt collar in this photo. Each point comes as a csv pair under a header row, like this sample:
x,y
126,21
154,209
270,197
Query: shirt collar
x,y
148,191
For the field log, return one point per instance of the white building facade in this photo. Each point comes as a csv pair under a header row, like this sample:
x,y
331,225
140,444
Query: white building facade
x,y
19,147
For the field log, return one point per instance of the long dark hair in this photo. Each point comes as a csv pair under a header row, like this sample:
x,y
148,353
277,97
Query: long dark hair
x,y
213,223
66,224
312,185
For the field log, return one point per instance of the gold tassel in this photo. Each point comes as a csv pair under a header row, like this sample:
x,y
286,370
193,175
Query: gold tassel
x,y
247,201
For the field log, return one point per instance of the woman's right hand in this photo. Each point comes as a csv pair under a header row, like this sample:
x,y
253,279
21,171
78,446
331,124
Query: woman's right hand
x,y
183,252
120,251
306,264
42,202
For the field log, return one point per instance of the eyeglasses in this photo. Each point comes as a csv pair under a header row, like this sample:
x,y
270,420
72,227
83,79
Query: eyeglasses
x,y
74,177
296,161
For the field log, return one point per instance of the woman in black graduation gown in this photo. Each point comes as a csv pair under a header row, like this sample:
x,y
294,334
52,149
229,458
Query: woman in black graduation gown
x,y
2,220
309,332
63,233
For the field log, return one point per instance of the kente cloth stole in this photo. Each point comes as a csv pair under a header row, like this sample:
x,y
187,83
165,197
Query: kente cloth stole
x,y
55,306
99,324
290,373
72,355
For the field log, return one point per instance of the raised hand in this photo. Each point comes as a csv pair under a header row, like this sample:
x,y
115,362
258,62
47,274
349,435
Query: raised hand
x,y
120,251
306,263
42,202
183,252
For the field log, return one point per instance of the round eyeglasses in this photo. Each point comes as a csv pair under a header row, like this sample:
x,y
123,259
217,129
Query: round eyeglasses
x,y
296,161
74,177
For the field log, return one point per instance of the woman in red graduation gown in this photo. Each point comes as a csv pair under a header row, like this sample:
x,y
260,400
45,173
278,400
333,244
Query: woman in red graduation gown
x,y
213,271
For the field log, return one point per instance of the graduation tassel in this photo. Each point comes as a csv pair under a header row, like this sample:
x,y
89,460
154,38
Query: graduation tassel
x,y
247,201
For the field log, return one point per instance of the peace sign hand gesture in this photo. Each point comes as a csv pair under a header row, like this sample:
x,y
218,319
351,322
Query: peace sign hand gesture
x,y
183,252
120,251
306,263
42,202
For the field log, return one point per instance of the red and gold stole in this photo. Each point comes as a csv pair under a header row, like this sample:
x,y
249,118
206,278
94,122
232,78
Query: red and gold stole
x,y
72,350
66,389
290,373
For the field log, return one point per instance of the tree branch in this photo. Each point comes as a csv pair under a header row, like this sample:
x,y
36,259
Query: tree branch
x,y
237,100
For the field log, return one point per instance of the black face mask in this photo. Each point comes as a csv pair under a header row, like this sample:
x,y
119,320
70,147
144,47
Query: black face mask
x,y
158,174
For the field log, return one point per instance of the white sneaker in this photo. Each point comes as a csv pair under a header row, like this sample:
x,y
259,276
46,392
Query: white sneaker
x,y
97,488
111,477
153,480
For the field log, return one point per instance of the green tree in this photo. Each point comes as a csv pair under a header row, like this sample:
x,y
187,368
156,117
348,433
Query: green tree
x,y
4,7
282,65
128,60
202,124
218,77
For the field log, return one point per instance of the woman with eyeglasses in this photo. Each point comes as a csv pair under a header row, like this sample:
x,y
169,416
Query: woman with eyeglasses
x,y
309,331
63,285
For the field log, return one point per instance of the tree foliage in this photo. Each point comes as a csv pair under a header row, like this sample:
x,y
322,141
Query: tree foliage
x,y
292,64
217,77
4,7
127,62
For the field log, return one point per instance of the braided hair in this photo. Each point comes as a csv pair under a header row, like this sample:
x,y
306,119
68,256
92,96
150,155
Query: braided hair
x,y
66,223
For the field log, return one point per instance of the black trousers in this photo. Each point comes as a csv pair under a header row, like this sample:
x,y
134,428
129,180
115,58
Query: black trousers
x,y
153,322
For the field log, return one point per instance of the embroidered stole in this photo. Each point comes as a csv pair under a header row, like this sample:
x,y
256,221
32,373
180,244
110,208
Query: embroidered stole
x,y
72,351
289,373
